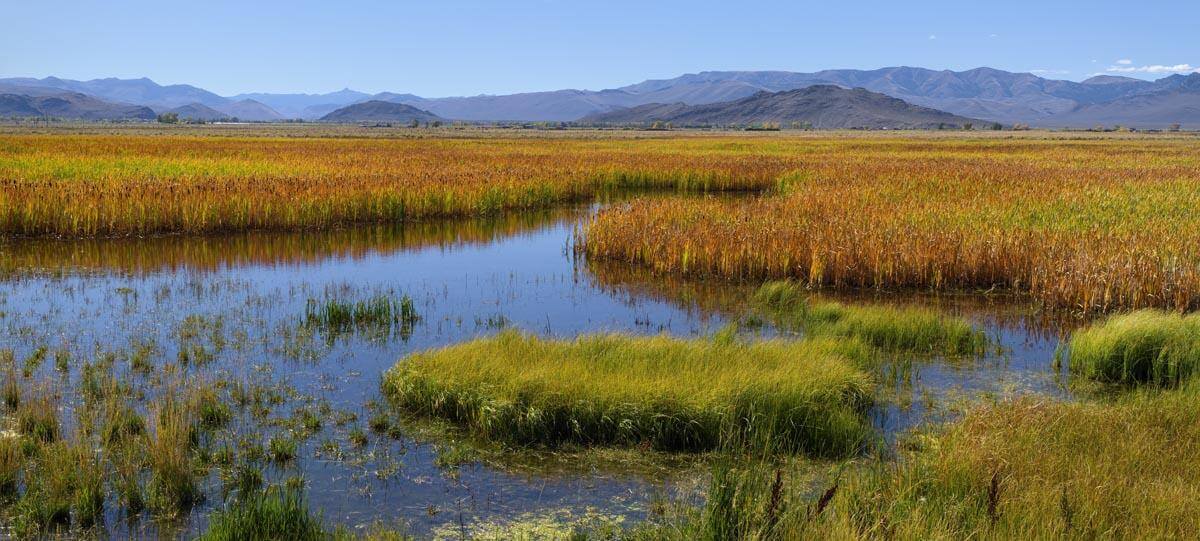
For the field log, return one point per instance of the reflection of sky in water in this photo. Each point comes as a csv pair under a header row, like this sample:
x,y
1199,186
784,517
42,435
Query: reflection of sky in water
x,y
526,277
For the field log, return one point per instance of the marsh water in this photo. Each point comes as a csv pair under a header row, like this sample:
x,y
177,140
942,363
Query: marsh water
x,y
238,301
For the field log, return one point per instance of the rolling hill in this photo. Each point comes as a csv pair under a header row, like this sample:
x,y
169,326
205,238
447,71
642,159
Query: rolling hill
x,y
380,111
250,110
198,111
821,106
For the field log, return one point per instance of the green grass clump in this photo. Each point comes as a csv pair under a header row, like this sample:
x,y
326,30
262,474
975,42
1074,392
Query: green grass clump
x,y
670,393
173,486
277,513
11,462
379,313
1028,468
891,328
281,448
120,423
1147,346
37,417
63,486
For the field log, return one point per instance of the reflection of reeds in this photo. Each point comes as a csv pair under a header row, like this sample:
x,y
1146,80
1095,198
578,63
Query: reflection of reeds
x,y
730,298
1080,226
213,252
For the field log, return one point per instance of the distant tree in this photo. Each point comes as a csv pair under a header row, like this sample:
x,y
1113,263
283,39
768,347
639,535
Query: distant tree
x,y
997,126
169,118
437,123
1175,127
415,123
968,126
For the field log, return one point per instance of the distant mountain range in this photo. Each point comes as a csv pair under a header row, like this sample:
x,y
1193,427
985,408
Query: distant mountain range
x,y
69,105
983,93
818,106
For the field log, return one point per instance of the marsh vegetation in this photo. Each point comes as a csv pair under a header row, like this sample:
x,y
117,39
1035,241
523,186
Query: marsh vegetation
x,y
878,337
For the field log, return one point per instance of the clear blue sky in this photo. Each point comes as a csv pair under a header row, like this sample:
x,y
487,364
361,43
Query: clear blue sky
x,y
455,47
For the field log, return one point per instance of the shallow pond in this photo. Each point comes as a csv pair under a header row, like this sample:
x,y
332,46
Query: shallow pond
x,y
238,302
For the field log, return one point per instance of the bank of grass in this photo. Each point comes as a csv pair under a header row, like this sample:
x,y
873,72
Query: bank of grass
x,y
667,393
891,328
1143,347
1027,468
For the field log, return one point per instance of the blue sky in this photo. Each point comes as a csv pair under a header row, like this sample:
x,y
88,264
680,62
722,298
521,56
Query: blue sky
x,y
453,47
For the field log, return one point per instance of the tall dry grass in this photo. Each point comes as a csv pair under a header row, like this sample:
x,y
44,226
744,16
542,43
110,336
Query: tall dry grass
x,y
1027,468
114,185
1079,225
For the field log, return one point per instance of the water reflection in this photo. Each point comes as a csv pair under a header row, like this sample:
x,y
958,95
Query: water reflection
x,y
466,278
172,253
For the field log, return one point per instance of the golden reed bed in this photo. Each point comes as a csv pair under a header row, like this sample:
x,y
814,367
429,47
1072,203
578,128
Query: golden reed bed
x,y
1087,224
1090,225
115,185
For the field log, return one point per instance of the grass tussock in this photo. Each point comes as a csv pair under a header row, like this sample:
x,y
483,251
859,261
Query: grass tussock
x,y
173,486
669,393
380,313
1143,347
1022,469
890,328
276,513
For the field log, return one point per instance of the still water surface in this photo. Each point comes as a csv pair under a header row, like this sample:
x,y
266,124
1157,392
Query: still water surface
x,y
241,298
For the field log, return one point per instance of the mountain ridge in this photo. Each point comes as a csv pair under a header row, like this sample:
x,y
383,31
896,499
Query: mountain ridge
x,y
986,93
818,106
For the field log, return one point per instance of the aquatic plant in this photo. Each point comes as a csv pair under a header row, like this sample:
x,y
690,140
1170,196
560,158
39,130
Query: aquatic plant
x,y
276,513
173,486
281,448
379,313
669,393
37,417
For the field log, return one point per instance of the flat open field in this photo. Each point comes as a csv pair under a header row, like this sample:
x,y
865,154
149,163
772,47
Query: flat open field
x,y
342,332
